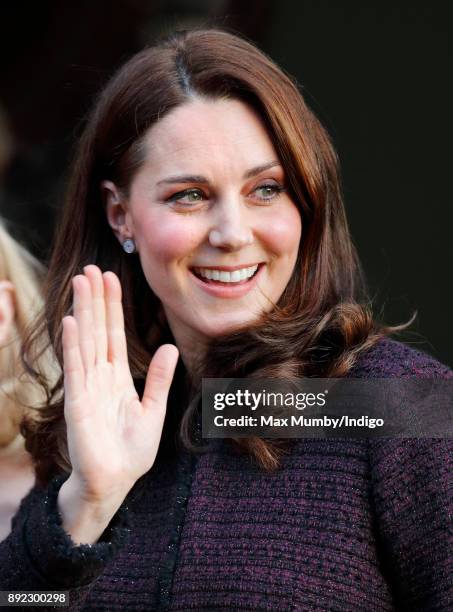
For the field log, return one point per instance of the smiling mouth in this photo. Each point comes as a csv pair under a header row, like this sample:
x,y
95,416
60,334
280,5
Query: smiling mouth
x,y
211,276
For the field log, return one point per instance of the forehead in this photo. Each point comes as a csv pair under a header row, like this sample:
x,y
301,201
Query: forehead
x,y
225,133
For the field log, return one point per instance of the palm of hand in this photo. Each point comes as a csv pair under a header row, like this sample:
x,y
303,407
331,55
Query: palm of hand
x,y
113,437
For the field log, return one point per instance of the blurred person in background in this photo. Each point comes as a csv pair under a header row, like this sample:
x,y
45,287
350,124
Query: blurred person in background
x,y
20,302
204,235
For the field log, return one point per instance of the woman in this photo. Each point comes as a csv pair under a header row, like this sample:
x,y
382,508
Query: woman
x,y
20,300
200,160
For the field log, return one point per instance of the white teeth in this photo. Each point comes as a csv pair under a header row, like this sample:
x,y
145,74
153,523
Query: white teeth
x,y
227,277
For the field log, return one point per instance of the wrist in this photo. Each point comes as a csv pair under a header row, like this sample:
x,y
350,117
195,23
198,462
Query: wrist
x,y
85,518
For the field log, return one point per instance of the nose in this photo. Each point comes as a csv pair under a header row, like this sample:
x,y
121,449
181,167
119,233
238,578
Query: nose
x,y
231,230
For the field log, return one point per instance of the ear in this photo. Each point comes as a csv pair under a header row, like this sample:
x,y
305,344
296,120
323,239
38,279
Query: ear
x,y
7,310
116,211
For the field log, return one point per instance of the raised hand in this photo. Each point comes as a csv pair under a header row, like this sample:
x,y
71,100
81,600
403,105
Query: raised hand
x,y
113,436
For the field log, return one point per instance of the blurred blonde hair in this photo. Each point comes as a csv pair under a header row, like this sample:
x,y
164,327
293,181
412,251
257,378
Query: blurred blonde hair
x,y
18,392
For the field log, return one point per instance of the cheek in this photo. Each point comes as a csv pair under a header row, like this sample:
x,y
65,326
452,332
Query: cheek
x,y
283,231
166,238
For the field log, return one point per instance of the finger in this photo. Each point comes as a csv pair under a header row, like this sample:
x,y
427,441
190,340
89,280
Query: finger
x,y
84,317
116,337
94,275
160,375
74,374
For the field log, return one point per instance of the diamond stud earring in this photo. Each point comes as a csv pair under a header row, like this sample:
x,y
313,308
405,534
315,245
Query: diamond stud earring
x,y
129,246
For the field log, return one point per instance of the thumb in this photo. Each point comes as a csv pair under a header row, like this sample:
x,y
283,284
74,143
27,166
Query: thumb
x,y
160,375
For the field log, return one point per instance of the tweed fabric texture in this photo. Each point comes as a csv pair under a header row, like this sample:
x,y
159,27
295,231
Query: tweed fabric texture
x,y
344,525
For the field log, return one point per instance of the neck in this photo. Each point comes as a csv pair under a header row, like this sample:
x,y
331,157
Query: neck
x,y
10,416
12,448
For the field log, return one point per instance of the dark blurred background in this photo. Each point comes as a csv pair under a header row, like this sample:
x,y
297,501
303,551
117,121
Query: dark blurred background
x,y
377,73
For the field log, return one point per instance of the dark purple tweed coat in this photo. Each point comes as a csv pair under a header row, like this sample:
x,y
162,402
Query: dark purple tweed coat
x,y
356,525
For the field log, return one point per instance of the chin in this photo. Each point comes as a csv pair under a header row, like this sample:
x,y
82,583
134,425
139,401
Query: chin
x,y
224,328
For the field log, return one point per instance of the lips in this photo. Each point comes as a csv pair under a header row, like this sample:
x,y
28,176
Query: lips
x,y
228,288
225,276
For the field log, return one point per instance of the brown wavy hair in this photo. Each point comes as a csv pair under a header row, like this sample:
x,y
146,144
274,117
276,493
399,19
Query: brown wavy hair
x,y
321,322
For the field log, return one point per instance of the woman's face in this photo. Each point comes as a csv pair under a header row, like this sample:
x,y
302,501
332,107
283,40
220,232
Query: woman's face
x,y
216,231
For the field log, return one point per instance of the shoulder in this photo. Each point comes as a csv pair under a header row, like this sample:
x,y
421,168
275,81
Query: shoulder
x,y
391,359
413,461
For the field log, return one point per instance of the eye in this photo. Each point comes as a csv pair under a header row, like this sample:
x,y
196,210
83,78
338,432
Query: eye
x,y
187,197
268,191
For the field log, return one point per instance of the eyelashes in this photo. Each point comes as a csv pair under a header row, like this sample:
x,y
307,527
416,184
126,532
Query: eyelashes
x,y
197,194
194,195
275,190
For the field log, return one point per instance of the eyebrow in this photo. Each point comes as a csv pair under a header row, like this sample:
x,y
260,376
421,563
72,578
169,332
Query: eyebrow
x,y
198,178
